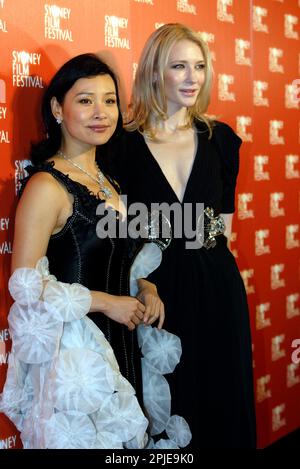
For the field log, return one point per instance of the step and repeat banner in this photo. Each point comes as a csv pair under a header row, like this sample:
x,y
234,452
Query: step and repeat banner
x,y
256,55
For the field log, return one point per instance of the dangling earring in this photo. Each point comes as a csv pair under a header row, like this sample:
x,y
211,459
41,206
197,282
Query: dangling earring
x,y
59,120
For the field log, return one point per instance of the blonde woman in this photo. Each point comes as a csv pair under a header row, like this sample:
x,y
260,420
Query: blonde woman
x,y
173,153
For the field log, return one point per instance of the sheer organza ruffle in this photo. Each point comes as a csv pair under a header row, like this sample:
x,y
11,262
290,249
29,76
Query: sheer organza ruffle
x,y
64,388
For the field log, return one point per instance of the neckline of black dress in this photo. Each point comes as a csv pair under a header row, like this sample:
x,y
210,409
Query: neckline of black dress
x,y
163,176
83,187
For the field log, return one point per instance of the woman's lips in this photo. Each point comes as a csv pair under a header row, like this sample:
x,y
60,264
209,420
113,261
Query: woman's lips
x,y
188,92
99,128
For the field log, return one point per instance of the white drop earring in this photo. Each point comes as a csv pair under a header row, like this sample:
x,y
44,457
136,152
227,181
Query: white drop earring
x,y
59,120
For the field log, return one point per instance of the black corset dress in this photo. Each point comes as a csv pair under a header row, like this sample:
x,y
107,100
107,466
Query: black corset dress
x,y
77,255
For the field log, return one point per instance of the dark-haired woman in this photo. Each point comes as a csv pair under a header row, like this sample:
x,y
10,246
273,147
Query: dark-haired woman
x,y
75,368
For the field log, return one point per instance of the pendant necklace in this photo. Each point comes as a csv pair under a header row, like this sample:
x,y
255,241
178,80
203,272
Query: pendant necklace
x,y
100,179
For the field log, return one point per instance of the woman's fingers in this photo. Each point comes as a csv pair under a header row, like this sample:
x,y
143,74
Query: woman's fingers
x,y
131,326
136,320
140,314
147,313
161,316
140,307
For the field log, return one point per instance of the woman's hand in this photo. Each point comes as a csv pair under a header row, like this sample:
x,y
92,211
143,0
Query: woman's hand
x,y
124,310
148,295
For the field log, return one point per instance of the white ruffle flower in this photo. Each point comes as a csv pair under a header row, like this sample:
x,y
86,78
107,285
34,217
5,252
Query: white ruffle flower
x,y
78,335
64,388
108,440
121,414
25,285
35,332
137,443
69,301
150,444
143,332
103,343
70,430
157,399
122,384
147,260
42,266
162,350
12,397
165,444
81,380
178,431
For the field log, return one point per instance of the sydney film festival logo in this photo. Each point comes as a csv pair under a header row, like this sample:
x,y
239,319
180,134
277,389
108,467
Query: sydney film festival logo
x,y
3,23
223,13
224,92
278,420
290,22
20,173
262,391
291,377
276,271
4,137
241,46
242,122
244,211
275,126
260,239
5,246
56,18
291,305
296,90
275,199
247,275
209,38
184,6
291,172
22,76
148,2
274,56
115,30
4,338
261,320
292,94
259,87
259,14
260,173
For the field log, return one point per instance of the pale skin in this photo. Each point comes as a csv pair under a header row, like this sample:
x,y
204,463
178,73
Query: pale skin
x,y
175,147
89,114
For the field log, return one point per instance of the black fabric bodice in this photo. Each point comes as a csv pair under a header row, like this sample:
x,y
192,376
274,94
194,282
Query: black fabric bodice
x,y
77,255
212,179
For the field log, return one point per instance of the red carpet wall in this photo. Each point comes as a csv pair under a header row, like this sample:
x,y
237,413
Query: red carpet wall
x,y
256,52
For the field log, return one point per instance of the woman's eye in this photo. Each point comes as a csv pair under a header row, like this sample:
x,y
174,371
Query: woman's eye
x,y
177,66
85,101
111,101
200,66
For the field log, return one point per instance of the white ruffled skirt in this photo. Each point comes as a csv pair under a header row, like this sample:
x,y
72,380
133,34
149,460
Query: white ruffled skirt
x,y
64,388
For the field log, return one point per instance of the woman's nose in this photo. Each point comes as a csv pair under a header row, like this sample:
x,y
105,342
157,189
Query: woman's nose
x,y
99,111
191,74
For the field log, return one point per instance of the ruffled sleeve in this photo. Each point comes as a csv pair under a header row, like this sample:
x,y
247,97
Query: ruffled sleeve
x,y
228,145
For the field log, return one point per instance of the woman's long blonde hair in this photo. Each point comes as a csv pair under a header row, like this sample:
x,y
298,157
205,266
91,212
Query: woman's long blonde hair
x,y
148,94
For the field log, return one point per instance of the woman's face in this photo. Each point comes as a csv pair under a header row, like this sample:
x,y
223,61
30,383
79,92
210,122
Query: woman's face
x,y
89,111
184,75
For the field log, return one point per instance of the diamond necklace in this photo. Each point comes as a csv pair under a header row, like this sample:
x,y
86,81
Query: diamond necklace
x,y
105,191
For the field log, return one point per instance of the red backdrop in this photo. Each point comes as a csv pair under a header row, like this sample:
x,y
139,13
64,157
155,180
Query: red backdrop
x,y
256,51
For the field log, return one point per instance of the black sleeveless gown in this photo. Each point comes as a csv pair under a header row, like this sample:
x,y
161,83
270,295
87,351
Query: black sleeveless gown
x,y
77,255
204,295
